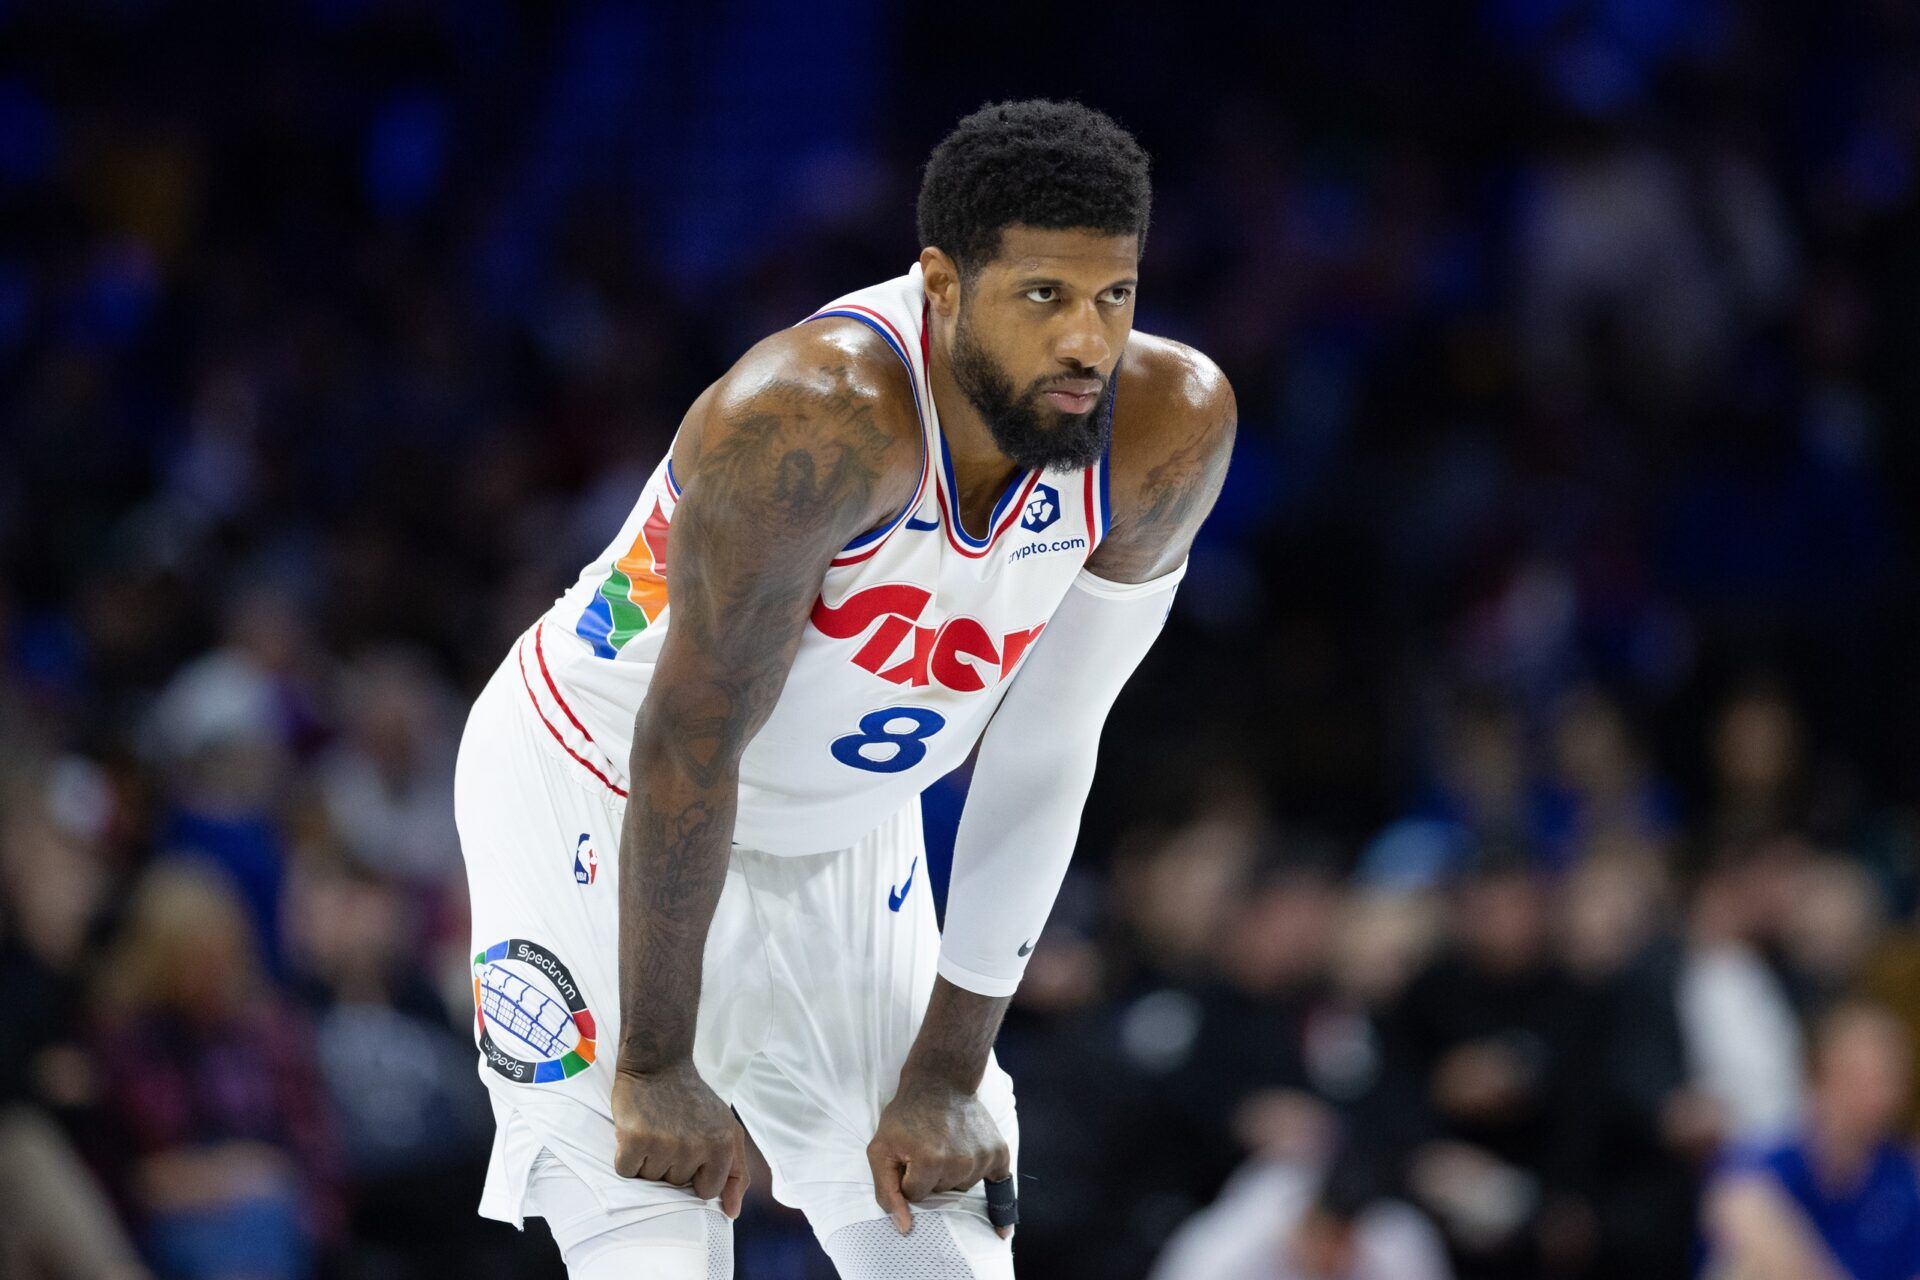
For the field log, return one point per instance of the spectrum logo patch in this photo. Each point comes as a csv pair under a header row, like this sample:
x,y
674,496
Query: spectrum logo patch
x,y
530,1017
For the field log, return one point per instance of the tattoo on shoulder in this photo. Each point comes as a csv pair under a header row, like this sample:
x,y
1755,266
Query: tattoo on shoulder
x,y
1186,481
777,453
1172,498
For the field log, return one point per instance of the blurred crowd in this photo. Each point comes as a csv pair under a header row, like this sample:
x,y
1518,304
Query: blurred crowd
x,y
1506,866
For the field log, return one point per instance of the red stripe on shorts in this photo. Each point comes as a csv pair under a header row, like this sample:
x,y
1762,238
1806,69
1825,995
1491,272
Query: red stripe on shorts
x,y
541,712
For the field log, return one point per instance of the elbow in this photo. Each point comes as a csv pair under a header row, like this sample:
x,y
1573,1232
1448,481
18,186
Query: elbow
x,y
692,729
663,750
649,753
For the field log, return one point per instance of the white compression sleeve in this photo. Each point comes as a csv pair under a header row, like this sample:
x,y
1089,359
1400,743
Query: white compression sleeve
x,y
1035,767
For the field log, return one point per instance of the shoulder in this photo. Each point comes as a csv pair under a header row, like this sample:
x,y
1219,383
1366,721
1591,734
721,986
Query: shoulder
x,y
1170,392
1173,425
826,405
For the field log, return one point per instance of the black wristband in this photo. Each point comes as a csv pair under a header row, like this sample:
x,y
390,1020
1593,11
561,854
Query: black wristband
x,y
1003,1203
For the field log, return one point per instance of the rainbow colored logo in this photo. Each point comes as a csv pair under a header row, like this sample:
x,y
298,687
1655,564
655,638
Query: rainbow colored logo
x,y
634,593
532,1023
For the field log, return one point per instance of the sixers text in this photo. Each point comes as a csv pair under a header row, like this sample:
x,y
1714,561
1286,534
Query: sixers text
x,y
956,653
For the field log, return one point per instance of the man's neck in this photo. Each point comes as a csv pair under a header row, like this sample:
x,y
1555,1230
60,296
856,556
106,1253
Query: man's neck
x,y
981,472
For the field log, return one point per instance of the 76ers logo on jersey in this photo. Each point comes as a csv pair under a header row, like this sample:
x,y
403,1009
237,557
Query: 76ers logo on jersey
x,y
1043,508
958,654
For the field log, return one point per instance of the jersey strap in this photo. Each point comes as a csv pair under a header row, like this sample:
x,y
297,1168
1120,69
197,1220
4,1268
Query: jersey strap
x,y
1099,484
863,547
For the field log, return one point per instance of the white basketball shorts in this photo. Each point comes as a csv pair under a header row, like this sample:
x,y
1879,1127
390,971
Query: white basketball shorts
x,y
818,969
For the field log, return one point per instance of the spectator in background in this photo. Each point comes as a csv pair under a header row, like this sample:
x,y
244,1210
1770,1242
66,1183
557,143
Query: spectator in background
x,y
413,1130
1741,1032
1481,793
1757,754
1840,1200
1500,1044
1281,1221
387,784
1172,889
1890,978
1654,1129
222,1146
56,1220
1082,1182
1603,794
1829,922
1274,944
226,732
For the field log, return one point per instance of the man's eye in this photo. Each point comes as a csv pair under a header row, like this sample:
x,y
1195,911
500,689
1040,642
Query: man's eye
x,y
1119,296
1034,294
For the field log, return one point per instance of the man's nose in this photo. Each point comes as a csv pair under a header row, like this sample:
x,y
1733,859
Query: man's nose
x,y
1083,341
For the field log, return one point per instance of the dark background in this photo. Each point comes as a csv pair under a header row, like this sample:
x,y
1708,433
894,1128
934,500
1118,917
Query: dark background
x,y
1563,582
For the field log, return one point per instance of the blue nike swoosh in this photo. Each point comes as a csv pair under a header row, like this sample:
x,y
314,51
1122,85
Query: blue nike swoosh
x,y
897,896
922,525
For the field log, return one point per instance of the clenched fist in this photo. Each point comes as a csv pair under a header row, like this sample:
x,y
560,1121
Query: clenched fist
x,y
670,1127
933,1137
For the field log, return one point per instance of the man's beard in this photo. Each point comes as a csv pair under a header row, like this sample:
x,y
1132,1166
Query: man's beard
x,y
1034,437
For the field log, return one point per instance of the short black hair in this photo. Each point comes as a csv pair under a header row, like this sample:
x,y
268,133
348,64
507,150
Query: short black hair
x,y
1037,163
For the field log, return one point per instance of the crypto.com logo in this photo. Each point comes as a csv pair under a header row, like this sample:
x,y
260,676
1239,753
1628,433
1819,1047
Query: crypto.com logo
x,y
1043,508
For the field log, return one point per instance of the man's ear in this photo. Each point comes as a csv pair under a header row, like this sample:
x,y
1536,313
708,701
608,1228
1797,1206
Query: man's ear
x,y
941,278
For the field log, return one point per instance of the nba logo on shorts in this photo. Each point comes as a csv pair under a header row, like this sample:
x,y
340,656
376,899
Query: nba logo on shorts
x,y
586,864
531,1020
1043,508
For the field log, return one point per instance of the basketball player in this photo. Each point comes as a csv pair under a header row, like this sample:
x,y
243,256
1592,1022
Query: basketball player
x,y
944,510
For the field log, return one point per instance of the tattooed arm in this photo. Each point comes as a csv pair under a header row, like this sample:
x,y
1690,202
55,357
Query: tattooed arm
x,y
801,447
1172,433
1172,436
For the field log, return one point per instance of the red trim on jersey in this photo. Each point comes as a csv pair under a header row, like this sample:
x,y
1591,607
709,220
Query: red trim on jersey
x,y
541,712
920,416
866,310
1093,517
864,553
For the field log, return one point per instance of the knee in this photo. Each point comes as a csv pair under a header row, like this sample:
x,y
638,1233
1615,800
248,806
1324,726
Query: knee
x,y
945,1244
694,1243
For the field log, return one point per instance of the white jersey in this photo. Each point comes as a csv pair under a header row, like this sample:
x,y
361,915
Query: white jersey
x,y
916,632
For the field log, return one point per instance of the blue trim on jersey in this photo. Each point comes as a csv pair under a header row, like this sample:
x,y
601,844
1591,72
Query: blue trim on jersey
x,y
1104,489
673,482
953,493
874,535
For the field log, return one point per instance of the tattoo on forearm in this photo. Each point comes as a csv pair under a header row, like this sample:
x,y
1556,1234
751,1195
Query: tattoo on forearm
x,y
670,884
